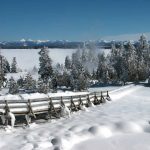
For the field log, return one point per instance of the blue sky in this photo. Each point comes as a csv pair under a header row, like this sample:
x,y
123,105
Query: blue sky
x,y
72,19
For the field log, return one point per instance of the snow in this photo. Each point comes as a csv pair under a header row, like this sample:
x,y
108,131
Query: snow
x,y
121,124
39,95
28,58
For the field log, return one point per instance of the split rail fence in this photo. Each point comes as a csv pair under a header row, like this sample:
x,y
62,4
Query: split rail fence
x,y
51,105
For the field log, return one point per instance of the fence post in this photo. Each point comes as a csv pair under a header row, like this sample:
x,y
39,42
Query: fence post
x,y
52,109
88,100
107,94
73,106
61,101
95,98
31,112
81,103
7,110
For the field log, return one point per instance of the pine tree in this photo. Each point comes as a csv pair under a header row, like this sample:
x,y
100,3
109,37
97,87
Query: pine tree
x,y
45,69
67,63
29,83
2,71
143,58
102,70
54,83
42,87
82,82
78,78
66,79
13,87
14,65
20,82
6,66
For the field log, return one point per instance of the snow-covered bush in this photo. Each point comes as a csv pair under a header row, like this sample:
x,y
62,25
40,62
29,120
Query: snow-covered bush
x,y
64,110
90,104
83,108
11,116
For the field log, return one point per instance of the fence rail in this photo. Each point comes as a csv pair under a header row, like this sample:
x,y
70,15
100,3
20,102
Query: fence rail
x,y
51,105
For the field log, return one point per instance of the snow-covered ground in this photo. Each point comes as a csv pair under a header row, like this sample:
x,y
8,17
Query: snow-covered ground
x,y
122,124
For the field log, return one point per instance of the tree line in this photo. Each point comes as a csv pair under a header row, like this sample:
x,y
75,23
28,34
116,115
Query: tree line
x,y
126,62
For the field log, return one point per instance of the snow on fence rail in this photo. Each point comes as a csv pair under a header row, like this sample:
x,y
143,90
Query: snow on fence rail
x,y
50,105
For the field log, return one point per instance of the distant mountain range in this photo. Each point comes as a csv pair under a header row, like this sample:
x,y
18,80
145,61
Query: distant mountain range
x,y
22,44
28,44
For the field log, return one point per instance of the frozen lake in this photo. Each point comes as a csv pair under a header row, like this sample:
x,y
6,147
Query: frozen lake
x,y
28,58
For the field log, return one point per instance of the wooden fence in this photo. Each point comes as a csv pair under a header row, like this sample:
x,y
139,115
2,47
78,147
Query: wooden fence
x,y
51,105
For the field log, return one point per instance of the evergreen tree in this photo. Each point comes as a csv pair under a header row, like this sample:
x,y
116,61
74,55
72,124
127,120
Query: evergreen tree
x,y
29,83
66,79
6,66
54,83
78,78
116,60
20,82
67,63
14,65
102,71
143,58
13,87
45,69
42,87
82,82
3,69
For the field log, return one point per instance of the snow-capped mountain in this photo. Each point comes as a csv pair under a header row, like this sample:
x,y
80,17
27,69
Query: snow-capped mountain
x,y
23,43
29,43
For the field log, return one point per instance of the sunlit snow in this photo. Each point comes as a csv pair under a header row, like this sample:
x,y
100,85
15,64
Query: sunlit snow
x,y
122,124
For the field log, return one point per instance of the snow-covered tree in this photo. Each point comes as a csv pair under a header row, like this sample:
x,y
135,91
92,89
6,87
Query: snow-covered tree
x,y
42,87
102,70
66,79
68,62
13,87
14,65
20,82
6,66
3,70
29,83
54,83
45,69
143,57
78,78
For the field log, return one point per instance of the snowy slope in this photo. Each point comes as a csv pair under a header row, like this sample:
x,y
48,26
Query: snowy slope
x,y
122,124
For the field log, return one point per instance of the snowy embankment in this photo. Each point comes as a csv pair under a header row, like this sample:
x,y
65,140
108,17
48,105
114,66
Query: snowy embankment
x,y
117,125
